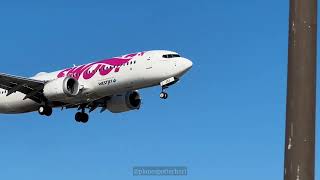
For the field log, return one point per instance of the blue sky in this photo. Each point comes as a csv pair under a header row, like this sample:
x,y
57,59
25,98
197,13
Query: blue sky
x,y
224,120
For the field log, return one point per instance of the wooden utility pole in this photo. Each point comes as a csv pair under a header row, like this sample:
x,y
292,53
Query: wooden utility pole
x,y
301,91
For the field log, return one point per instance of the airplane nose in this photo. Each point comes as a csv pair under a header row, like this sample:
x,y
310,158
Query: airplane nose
x,y
183,66
187,64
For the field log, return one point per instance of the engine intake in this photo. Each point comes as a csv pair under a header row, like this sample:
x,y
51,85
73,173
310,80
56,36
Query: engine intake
x,y
60,89
124,102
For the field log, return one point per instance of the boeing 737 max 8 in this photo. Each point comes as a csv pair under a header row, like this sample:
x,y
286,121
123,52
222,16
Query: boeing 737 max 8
x,y
110,84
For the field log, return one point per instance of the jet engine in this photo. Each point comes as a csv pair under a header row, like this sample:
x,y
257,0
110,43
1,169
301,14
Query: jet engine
x,y
61,88
124,102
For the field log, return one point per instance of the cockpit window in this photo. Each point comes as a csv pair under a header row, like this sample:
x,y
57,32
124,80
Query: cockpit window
x,y
171,55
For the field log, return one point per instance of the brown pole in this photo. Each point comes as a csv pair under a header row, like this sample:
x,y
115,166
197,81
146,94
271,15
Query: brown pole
x,y
301,91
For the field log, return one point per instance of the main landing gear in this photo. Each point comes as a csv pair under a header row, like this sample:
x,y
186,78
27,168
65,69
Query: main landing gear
x,y
81,116
45,110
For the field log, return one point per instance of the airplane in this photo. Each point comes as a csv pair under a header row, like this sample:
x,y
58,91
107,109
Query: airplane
x,y
110,84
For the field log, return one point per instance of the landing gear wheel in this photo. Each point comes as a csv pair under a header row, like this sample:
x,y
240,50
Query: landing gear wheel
x,y
41,110
77,117
45,110
163,95
48,111
85,118
81,117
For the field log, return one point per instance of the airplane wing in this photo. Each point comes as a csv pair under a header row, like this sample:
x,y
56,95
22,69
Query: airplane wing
x,y
31,87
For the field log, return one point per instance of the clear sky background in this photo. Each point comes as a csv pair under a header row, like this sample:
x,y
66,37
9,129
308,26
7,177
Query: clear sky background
x,y
224,120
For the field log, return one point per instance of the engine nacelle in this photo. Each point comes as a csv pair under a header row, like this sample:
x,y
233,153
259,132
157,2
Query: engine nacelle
x,y
124,102
60,89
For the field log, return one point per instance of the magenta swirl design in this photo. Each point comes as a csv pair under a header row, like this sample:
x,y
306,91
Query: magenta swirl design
x,y
103,67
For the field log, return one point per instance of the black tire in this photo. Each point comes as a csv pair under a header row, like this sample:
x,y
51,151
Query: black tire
x,y
41,110
165,95
78,116
162,95
48,111
85,118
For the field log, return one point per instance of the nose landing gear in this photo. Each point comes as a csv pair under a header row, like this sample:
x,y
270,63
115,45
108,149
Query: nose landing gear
x,y
165,84
163,94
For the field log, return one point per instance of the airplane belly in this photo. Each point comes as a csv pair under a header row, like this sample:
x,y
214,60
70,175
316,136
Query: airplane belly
x,y
16,104
3,104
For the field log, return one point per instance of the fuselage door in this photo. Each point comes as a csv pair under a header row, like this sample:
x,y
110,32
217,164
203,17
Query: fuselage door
x,y
149,63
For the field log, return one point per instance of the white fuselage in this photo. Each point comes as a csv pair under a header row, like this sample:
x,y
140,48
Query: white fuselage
x,y
105,78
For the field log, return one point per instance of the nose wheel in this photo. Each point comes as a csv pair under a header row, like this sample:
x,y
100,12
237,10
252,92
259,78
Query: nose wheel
x,y
163,94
